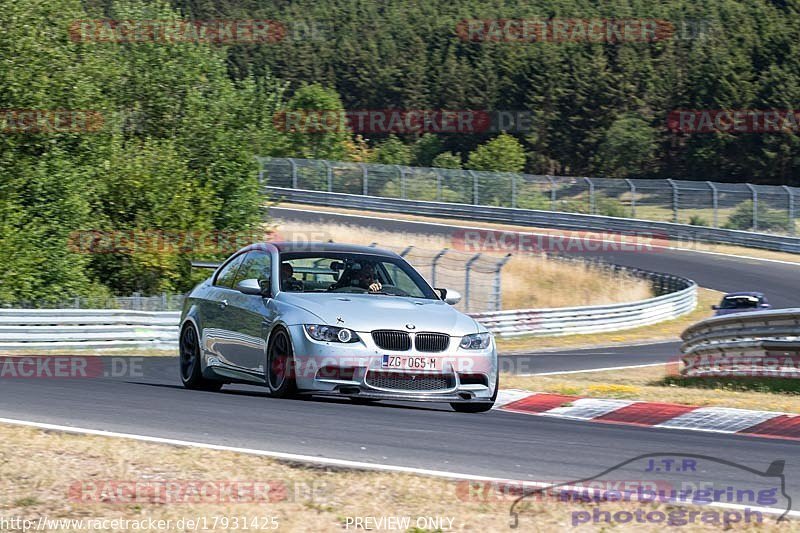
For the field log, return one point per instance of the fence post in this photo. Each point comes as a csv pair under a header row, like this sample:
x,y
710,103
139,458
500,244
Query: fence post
x,y
467,282
513,191
261,174
674,200
438,184
714,202
754,193
364,179
163,301
329,175
497,288
591,195
402,181
434,263
553,198
632,187
790,208
475,194
294,172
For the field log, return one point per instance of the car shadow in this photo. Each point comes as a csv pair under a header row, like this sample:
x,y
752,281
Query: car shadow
x,y
386,404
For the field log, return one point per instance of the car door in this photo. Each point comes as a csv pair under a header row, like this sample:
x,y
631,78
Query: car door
x,y
248,316
212,309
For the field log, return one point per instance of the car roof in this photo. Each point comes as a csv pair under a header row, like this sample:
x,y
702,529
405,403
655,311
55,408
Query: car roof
x,y
745,293
290,247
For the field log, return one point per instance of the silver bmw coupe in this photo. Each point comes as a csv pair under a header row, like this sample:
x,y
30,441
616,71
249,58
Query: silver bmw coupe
x,y
334,319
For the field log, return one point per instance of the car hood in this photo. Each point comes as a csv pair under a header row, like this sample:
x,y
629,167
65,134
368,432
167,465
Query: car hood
x,y
365,312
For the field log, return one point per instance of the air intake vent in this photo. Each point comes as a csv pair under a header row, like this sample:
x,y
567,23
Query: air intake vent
x,y
408,382
395,341
432,342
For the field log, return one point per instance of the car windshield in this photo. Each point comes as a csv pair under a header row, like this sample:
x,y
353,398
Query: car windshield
x,y
739,302
338,272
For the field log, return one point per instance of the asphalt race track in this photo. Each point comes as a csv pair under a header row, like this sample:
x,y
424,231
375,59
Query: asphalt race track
x,y
590,358
494,444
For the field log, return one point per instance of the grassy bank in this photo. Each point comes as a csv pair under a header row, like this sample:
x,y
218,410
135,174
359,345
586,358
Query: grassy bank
x,y
62,476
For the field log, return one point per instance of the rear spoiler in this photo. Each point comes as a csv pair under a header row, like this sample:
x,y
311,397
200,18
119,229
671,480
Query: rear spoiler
x,y
202,264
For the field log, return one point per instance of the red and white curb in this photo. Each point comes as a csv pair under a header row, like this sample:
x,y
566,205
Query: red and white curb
x,y
661,415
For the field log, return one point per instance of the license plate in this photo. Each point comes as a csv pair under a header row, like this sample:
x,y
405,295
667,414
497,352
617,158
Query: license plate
x,y
410,363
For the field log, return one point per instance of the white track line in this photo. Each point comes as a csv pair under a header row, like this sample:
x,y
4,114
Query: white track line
x,y
334,462
593,239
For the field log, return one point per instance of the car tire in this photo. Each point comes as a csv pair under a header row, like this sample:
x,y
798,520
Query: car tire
x,y
478,407
280,365
190,366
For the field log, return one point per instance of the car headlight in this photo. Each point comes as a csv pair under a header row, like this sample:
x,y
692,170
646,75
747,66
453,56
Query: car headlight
x,y
331,333
476,341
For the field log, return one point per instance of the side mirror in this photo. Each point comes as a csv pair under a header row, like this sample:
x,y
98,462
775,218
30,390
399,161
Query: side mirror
x,y
714,307
254,287
449,296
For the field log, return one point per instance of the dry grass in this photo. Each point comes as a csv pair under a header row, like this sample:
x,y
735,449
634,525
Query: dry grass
x,y
528,281
698,246
39,468
535,282
647,384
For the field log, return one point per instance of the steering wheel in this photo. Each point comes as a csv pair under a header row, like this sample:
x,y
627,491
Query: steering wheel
x,y
394,291
358,290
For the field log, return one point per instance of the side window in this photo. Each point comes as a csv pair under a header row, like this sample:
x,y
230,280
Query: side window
x,y
257,265
226,276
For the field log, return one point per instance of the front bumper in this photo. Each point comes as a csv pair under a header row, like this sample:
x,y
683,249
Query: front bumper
x,y
356,370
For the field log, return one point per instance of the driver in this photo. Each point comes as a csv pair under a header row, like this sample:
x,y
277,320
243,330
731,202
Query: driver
x,y
361,275
288,283
366,278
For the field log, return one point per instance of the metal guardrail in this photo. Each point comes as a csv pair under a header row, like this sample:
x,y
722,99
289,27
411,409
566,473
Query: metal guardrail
x,y
596,318
38,329
42,329
759,343
666,231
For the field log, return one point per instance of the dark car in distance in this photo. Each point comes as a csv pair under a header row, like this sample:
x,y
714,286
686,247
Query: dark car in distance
x,y
741,302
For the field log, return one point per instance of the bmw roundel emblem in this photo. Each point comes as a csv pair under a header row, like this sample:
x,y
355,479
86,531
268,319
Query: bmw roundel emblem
x,y
411,326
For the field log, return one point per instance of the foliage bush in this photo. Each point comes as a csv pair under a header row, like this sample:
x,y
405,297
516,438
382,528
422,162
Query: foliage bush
x,y
768,219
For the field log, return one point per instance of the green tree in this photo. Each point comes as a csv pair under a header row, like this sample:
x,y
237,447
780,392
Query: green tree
x,y
627,149
426,149
392,151
315,138
503,153
447,160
